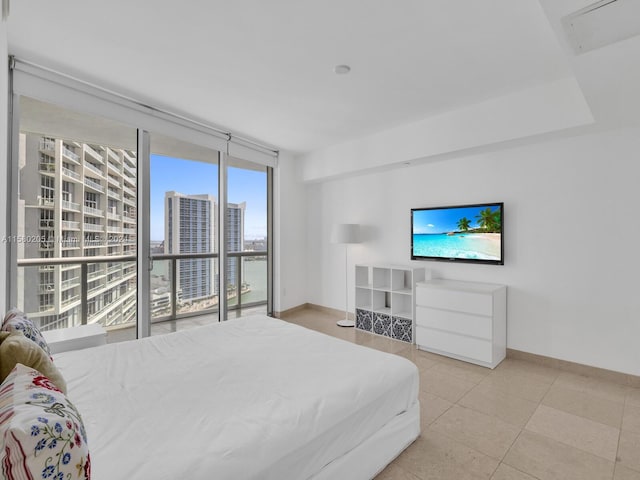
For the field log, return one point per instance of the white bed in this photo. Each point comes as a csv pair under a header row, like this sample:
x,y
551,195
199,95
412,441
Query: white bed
x,y
252,398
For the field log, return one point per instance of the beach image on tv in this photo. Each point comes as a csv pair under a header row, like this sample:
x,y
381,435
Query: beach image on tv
x,y
471,233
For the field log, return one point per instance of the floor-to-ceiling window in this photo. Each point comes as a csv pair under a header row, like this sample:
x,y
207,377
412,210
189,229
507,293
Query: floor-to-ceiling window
x,y
247,237
128,216
74,234
183,219
136,219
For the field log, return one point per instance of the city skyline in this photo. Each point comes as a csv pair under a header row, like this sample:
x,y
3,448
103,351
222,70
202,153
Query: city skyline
x,y
190,177
79,200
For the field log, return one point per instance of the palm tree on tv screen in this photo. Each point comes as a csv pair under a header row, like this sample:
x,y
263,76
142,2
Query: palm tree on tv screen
x,y
464,223
489,220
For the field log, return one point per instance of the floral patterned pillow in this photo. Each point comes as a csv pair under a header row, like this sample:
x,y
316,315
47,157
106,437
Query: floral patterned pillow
x,y
16,321
42,432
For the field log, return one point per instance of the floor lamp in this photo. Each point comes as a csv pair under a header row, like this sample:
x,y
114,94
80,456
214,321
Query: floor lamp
x,y
346,233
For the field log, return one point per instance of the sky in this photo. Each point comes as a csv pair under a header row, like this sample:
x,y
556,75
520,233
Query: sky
x,y
445,219
191,177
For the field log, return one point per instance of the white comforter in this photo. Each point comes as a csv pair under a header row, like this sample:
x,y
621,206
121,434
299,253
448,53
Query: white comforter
x,y
252,398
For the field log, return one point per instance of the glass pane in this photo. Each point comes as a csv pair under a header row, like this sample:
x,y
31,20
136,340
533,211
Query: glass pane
x,y
246,237
184,189
76,200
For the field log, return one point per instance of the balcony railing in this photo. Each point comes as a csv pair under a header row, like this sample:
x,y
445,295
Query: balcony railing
x,y
130,170
113,155
92,152
95,185
48,145
232,289
116,168
69,225
128,157
70,173
94,169
113,181
129,180
96,212
96,273
66,205
115,268
71,283
69,154
92,227
46,201
47,167
70,243
98,286
113,194
68,301
113,216
168,305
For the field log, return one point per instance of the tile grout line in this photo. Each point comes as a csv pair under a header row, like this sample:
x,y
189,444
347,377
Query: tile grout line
x,y
507,453
615,462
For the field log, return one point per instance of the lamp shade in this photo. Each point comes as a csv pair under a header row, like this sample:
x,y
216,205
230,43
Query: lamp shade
x,y
345,233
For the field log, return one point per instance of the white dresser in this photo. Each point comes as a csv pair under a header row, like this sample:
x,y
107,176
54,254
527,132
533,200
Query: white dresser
x,y
463,320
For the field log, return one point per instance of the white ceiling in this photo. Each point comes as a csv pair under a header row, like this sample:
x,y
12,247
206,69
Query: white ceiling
x,y
264,69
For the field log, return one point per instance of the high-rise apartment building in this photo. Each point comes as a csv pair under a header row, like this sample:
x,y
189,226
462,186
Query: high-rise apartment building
x,y
190,228
76,200
235,238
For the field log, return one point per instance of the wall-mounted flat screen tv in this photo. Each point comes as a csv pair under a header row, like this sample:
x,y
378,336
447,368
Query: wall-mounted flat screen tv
x,y
465,233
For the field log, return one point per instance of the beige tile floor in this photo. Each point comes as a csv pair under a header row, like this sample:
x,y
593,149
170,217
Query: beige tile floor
x,y
521,421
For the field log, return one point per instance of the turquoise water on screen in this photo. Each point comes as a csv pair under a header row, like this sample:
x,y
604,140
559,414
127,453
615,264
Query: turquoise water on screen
x,y
461,245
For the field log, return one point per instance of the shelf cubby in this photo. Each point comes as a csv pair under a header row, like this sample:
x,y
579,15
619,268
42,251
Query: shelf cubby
x,y
363,278
385,300
363,298
381,278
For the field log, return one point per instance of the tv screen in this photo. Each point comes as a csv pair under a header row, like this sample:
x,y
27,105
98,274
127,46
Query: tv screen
x,y
465,233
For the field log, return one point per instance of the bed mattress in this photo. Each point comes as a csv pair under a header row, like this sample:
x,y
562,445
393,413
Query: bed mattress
x,y
251,398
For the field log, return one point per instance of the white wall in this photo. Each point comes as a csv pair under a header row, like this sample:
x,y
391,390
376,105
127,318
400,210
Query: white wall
x,y
290,235
571,239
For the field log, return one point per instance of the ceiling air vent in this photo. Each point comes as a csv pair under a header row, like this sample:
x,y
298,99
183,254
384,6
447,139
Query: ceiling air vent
x,y
602,23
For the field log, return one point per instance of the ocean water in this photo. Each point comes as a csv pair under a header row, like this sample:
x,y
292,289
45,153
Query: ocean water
x,y
460,245
255,274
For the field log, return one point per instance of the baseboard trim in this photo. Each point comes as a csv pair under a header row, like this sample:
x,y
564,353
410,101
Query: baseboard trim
x,y
312,306
291,311
577,368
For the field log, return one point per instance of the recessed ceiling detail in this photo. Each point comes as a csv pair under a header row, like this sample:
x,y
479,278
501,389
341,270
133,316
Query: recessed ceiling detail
x,y
268,76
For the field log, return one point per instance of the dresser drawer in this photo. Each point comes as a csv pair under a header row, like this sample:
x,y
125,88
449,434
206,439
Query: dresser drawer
x,y
455,322
469,347
456,300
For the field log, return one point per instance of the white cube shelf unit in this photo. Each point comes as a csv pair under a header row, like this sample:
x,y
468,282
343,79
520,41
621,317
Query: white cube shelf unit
x,y
385,300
